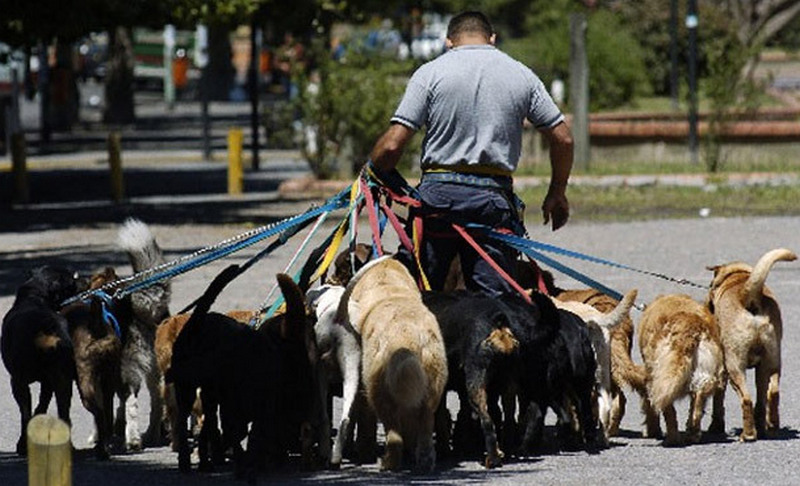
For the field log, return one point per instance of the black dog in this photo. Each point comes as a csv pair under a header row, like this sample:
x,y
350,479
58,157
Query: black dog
x,y
263,379
558,369
482,354
36,345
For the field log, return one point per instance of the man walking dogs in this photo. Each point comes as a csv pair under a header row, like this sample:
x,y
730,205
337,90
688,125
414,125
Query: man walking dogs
x,y
473,100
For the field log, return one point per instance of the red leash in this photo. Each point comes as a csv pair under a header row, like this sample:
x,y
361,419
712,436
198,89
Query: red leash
x,y
469,239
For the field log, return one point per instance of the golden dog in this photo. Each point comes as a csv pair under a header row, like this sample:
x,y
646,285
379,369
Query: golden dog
x,y
750,325
404,365
682,353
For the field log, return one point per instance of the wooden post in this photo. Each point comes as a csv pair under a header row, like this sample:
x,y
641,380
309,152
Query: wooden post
x,y
235,177
115,163
49,452
579,89
19,168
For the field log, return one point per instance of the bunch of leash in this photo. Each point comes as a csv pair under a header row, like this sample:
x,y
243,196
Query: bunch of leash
x,y
367,192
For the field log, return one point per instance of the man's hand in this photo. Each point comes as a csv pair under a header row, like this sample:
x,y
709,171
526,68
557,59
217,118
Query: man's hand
x,y
555,208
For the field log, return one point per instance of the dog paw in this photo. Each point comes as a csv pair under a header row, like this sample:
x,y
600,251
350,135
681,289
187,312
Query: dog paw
x,y
493,460
747,437
717,427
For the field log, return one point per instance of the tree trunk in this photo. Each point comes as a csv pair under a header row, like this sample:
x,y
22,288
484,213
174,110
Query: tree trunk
x,y
64,96
220,68
119,80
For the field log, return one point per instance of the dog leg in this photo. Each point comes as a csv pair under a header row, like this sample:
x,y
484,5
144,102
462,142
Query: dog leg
x,y
153,436
673,437
767,399
425,453
697,403
22,394
184,398
45,397
717,426
652,423
133,439
478,402
366,440
737,379
618,402
443,423
350,378
393,457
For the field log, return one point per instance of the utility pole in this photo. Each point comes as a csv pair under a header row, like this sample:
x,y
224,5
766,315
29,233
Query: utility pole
x,y
691,24
201,59
169,51
579,89
673,53
255,52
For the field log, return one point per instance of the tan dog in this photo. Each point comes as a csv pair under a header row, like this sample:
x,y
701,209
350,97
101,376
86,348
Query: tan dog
x,y
601,325
751,328
682,353
404,365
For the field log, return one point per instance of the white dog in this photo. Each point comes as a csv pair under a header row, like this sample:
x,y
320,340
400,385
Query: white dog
x,y
340,353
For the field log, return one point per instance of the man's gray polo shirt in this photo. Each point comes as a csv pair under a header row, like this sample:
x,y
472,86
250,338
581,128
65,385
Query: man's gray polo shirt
x,y
473,100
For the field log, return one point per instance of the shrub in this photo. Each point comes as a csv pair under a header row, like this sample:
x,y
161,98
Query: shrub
x,y
345,106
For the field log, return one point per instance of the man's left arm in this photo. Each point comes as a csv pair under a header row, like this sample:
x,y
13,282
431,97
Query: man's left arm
x,y
555,207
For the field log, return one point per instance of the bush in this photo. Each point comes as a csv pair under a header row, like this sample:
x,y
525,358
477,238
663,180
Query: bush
x,y
346,105
617,72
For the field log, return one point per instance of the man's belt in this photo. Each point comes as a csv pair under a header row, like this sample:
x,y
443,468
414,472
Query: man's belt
x,y
504,182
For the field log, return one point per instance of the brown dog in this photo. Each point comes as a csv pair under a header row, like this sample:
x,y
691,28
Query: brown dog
x,y
404,365
96,328
751,328
682,353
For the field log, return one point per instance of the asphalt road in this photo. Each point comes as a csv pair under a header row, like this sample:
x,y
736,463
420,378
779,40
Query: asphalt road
x,y
676,248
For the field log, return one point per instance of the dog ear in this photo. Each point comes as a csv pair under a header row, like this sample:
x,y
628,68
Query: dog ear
x,y
292,325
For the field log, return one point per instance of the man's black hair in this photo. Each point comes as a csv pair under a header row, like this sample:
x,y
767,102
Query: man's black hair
x,y
469,22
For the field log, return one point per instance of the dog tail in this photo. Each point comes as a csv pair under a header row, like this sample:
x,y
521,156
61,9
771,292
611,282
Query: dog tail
x,y
675,361
405,380
151,304
204,303
754,286
622,310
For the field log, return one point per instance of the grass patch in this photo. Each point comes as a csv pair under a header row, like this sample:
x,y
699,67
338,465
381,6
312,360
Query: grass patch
x,y
604,204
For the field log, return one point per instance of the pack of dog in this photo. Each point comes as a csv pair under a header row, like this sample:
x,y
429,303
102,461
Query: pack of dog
x,y
36,345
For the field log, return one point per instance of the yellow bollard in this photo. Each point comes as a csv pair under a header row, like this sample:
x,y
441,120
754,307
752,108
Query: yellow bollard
x,y
49,452
115,162
235,176
19,169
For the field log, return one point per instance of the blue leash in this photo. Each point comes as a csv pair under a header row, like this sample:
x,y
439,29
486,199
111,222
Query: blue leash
x,y
177,267
532,249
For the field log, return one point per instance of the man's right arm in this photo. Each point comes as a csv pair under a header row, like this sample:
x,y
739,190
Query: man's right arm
x,y
388,149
